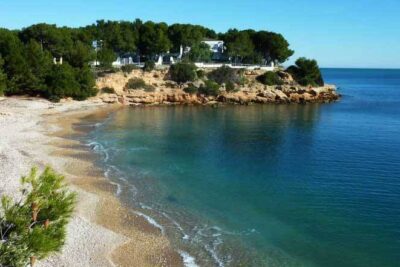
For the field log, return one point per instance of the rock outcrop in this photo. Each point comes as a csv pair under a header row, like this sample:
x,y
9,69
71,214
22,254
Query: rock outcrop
x,y
169,93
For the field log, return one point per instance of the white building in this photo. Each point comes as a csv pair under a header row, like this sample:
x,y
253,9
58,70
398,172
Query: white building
x,y
216,46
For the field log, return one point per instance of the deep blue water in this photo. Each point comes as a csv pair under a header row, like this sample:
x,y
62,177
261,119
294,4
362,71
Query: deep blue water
x,y
268,185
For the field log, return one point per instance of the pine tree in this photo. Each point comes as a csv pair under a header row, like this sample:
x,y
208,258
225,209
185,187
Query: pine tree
x,y
34,227
3,77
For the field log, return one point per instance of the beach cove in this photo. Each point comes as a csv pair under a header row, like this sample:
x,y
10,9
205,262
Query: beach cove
x,y
280,185
102,229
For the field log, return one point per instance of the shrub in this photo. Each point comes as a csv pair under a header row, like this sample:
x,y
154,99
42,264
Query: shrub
x,y
199,53
201,74
107,90
306,72
230,87
209,88
34,227
139,83
149,88
135,83
225,74
128,68
106,57
65,81
191,89
149,65
62,82
183,72
85,78
270,78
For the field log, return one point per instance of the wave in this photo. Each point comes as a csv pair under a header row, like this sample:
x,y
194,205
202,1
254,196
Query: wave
x,y
209,238
188,260
151,221
185,236
98,147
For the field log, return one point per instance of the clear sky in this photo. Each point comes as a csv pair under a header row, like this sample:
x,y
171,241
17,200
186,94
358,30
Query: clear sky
x,y
338,33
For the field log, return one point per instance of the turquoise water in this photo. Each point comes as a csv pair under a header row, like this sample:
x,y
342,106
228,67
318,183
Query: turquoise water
x,y
268,185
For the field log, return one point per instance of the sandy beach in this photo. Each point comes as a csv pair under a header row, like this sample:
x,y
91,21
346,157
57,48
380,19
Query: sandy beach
x,y
102,232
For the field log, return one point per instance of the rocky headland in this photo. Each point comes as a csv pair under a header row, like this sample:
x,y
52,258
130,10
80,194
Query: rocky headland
x,y
168,92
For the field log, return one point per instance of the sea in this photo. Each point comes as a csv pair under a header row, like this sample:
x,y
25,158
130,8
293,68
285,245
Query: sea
x,y
267,185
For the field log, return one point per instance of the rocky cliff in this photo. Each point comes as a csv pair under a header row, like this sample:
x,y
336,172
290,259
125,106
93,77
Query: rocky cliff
x,y
168,92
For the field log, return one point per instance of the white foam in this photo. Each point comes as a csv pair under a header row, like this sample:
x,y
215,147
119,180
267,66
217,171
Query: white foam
x,y
151,221
145,207
214,254
188,260
185,236
119,189
97,147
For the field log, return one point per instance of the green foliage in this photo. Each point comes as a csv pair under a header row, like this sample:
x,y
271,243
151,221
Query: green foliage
x,y
154,38
149,88
200,74
108,90
200,53
82,54
253,47
270,78
239,44
64,81
34,227
149,65
120,36
40,63
135,83
187,35
230,87
225,75
28,54
28,62
306,72
106,57
15,66
273,46
87,83
58,41
191,89
183,72
3,78
138,83
209,88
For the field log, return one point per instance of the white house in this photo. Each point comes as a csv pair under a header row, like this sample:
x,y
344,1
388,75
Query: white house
x,y
216,46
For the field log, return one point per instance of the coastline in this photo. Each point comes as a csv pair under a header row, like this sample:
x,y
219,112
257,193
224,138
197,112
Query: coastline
x,y
168,92
103,231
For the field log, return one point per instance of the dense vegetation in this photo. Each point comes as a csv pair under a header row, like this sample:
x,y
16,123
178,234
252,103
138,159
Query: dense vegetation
x,y
34,227
306,72
209,88
26,56
270,78
225,75
191,89
27,63
183,72
138,84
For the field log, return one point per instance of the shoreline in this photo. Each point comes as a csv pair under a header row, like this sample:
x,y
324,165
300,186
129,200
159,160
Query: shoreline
x,y
103,231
